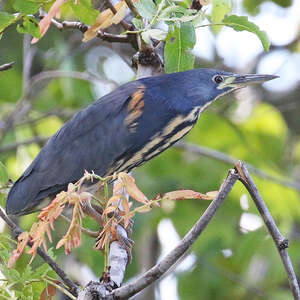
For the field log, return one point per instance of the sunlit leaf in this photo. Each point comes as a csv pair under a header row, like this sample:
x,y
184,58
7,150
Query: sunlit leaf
x,y
180,41
85,11
6,20
146,8
156,34
221,8
240,23
30,26
26,6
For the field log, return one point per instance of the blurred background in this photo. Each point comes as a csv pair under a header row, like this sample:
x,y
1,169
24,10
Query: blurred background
x,y
234,258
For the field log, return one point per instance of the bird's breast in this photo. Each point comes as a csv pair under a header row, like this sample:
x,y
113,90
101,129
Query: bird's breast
x,y
174,130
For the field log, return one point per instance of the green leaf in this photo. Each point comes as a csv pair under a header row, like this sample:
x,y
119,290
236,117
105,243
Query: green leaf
x,y
221,8
26,6
252,6
137,23
146,8
240,23
6,20
41,271
3,174
180,40
30,26
283,3
156,34
84,11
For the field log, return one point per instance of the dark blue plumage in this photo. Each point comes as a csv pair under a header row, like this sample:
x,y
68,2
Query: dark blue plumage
x,y
121,130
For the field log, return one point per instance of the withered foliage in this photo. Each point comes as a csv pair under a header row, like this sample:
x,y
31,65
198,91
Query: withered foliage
x,y
116,210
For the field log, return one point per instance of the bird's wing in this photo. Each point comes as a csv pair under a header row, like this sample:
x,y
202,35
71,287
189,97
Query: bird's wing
x,y
92,140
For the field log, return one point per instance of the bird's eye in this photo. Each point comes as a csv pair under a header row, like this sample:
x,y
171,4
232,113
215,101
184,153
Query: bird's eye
x,y
218,79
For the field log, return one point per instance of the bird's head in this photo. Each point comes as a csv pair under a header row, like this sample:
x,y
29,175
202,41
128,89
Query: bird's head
x,y
208,84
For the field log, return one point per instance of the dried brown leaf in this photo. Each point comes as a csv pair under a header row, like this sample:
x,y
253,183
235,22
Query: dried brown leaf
x,y
113,200
72,238
212,195
48,293
46,21
204,2
132,188
110,209
106,19
23,239
185,194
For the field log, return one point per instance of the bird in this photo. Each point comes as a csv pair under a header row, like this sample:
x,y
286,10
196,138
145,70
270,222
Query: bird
x,y
121,131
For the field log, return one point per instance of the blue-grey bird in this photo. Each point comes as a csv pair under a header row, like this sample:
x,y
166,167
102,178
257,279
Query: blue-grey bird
x,y
121,131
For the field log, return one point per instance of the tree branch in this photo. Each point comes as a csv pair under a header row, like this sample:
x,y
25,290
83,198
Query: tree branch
x,y
280,241
204,151
15,146
23,105
7,66
73,288
166,263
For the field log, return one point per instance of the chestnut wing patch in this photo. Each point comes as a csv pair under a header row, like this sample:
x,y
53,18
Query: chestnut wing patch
x,y
135,108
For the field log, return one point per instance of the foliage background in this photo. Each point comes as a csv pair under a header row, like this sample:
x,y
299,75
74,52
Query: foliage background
x,y
258,125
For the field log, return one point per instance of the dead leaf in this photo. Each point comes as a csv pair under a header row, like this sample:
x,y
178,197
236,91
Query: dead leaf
x,y
204,2
23,239
48,293
132,188
109,209
45,23
72,238
212,195
185,194
105,19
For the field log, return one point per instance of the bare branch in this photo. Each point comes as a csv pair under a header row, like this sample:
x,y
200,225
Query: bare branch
x,y
164,265
7,66
13,147
204,151
23,106
62,113
108,37
280,241
73,288
132,8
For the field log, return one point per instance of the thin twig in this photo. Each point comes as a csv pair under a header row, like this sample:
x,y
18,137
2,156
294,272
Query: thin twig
x,y
204,151
162,267
15,146
88,232
62,113
74,289
132,8
23,105
280,241
7,66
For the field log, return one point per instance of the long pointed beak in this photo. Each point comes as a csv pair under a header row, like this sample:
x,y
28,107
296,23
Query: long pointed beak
x,y
251,78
